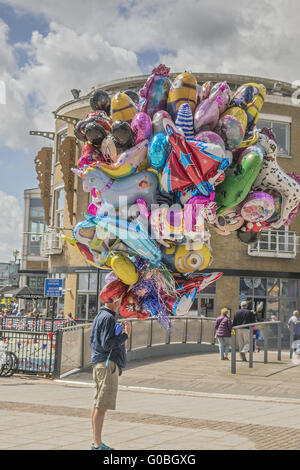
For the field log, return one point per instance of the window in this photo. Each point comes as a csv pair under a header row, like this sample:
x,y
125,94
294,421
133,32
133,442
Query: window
x,y
87,294
282,131
36,282
59,140
271,296
59,197
36,226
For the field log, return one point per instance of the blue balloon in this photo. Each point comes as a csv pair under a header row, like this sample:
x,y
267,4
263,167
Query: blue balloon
x,y
158,151
133,234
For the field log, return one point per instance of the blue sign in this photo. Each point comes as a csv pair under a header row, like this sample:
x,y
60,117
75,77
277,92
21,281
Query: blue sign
x,y
53,287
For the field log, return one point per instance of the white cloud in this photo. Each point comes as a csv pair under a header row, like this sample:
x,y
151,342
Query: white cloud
x,y
58,62
11,226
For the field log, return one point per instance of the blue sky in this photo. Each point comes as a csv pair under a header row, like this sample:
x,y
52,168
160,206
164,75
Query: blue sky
x,y
48,48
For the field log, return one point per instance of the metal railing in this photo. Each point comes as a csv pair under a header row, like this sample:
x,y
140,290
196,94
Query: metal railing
x,y
266,328
67,349
275,243
183,330
42,324
35,351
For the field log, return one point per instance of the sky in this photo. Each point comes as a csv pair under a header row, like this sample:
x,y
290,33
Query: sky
x,y
49,47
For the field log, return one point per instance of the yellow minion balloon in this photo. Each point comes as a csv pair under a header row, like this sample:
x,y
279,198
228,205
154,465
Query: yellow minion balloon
x,y
250,97
183,90
181,259
122,108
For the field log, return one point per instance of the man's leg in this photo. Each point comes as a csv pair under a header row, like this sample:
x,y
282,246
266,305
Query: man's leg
x,y
97,416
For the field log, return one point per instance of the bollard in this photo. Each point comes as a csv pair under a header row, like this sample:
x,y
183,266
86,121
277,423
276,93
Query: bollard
x,y
266,346
233,353
250,346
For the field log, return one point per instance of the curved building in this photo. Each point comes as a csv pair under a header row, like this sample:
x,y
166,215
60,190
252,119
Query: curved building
x,y
266,272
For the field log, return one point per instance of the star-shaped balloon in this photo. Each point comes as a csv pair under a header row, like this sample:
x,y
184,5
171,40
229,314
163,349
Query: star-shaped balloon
x,y
191,162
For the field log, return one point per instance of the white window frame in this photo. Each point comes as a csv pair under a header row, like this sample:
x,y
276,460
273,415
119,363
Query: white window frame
x,y
61,132
282,120
57,211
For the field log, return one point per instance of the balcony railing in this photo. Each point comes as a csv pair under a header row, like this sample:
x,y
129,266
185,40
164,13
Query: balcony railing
x,y
51,243
275,244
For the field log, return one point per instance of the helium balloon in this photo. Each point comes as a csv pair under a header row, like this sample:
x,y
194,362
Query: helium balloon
x,y
257,207
236,186
141,126
183,90
128,162
184,120
112,291
231,131
123,134
154,93
208,111
271,176
182,260
131,307
211,137
250,97
100,100
120,191
157,122
124,269
122,108
158,151
229,221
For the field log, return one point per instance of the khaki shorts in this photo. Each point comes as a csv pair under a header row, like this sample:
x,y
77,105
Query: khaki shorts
x,y
106,382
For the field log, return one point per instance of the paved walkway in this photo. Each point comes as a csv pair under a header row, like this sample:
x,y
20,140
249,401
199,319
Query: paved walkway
x,y
185,402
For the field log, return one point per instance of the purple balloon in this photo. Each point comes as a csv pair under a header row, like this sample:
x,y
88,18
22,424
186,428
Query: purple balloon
x,y
141,126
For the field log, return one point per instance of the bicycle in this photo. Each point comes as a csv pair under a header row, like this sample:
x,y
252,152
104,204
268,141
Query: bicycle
x,y
8,361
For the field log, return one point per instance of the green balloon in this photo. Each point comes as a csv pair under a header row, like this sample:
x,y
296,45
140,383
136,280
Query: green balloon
x,y
236,186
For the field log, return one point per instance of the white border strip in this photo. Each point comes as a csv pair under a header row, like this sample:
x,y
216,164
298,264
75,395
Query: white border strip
x,y
187,393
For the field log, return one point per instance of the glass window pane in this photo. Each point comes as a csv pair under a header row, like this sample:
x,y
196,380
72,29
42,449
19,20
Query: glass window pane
x,y
259,286
246,286
261,123
289,288
211,289
272,308
92,311
273,287
83,279
286,309
81,306
194,308
59,199
281,130
93,282
207,307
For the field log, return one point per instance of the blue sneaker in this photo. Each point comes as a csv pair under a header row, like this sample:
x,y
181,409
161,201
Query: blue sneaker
x,y
101,447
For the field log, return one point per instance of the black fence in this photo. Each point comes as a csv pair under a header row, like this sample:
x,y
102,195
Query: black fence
x,y
35,350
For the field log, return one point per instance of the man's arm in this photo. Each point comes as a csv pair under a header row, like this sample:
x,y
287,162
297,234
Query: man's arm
x,y
108,338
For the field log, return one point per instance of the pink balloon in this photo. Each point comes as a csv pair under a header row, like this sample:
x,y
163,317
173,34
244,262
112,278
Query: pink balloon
x,y
142,127
210,136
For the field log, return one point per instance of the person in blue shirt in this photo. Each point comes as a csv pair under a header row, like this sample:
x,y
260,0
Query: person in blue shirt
x,y
108,358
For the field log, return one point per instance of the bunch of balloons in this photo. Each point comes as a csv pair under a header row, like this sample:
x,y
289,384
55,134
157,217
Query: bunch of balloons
x,y
163,168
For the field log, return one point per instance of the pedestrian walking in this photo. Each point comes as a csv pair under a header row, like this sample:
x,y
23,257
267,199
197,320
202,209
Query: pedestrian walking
x,y
294,326
108,359
243,316
223,327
